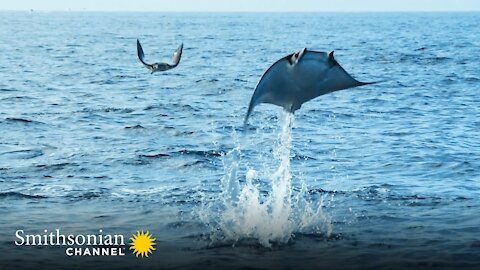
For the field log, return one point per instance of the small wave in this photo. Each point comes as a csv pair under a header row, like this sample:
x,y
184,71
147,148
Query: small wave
x,y
207,153
55,167
17,98
437,59
385,194
321,236
207,80
203,155
416,200
135,127
151,107
302,157
182,133
188,107
72,46
192,163
160,155
423,59
85,195
239,80
113,80
22,154
323,191
22,121
19,195
180,224
109,109
472,79
12,119
185,198
420,49
461,198
102,217
121,110
202,163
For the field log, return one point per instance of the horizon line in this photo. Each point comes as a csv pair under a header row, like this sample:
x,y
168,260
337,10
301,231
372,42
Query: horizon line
x,y
240,11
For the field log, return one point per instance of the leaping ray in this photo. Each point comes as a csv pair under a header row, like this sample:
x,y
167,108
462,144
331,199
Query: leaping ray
x,y
298,78
160,66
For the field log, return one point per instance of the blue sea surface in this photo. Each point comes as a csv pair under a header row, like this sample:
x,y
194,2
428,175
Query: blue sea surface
x,y
90,140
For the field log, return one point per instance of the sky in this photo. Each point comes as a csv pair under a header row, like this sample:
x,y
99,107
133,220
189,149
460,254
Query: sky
x,y
243,5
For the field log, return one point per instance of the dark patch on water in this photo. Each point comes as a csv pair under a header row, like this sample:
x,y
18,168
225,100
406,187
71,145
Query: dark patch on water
x,y
84,196
18,98
472,79
135,127
420,49
22,154
55,166
151,107
19,195
201,153
19,120
109,109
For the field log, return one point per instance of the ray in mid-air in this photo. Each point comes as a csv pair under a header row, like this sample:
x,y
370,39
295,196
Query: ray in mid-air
x,y
160,66
298,78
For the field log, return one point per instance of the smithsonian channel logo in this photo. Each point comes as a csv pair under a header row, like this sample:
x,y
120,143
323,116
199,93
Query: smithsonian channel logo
x,y
140,243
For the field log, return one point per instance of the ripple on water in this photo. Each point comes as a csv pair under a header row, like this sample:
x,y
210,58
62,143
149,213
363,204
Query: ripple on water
x,y
22,154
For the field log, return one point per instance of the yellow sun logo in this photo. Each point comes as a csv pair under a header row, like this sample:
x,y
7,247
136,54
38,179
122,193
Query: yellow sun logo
x,y
142,243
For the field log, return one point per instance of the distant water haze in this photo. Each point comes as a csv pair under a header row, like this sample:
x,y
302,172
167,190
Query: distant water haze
x,y
246,5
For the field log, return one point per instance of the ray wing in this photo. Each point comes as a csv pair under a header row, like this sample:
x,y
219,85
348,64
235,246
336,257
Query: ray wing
x,y
177,55
272,85
141,55
298,78
318,74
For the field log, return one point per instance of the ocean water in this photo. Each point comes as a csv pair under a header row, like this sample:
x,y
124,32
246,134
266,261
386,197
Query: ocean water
x,y
383,176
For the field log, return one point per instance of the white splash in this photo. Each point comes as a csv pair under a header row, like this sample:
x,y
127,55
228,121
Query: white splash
x,y
269,217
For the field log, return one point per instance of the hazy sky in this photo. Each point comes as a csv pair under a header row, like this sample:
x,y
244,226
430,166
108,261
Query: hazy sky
x,y
244,5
